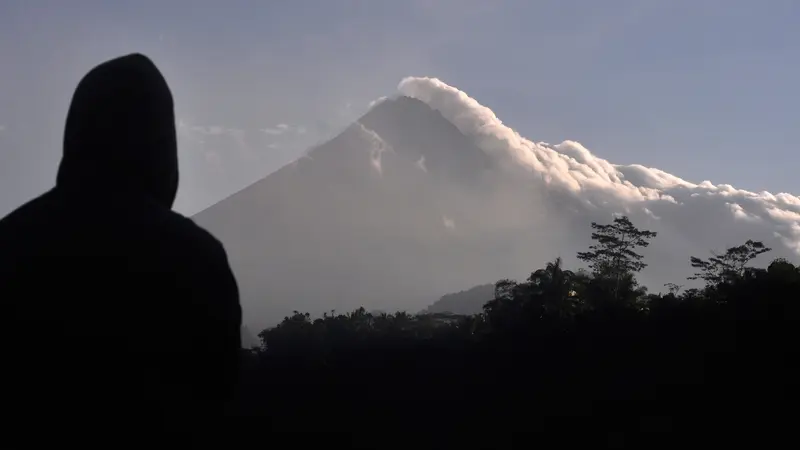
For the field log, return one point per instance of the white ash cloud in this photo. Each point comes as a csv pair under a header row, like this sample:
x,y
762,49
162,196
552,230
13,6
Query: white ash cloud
x,y
698,212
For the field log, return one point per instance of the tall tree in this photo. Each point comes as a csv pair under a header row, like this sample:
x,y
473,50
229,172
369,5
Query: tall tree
x,y
673,288
728,266
505,308
553,284
614,255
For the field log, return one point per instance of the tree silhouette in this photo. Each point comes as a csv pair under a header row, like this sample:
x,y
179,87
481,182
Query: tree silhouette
x,y
781,269
614,255
555,287
673,288
728,266
506,307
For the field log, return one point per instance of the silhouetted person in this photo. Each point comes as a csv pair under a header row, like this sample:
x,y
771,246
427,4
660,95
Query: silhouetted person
x,y
119,314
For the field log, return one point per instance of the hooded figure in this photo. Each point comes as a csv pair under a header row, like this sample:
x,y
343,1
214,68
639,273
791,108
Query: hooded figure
x,y
119,313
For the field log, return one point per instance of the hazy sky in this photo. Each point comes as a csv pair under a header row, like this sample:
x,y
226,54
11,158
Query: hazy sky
x,y
702,89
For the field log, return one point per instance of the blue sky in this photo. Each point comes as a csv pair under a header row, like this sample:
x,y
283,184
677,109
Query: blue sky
x,y
701,89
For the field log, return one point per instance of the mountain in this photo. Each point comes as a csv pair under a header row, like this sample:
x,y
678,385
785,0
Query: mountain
x,y
466,302
429,192
378,216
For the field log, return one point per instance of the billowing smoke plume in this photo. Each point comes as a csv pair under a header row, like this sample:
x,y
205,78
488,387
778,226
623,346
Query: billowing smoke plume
x,y
701,214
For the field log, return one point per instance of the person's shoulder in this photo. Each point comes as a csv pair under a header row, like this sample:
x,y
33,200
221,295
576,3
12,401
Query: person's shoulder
x,y
20,219
198,251
31,206
185,232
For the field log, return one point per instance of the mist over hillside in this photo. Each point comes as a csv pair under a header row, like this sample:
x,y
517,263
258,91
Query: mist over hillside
x,y
429,194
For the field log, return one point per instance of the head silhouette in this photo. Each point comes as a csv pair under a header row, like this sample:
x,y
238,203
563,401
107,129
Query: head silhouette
x,y
120,133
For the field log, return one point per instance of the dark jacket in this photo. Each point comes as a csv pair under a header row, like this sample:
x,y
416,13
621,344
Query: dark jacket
x,y
116,310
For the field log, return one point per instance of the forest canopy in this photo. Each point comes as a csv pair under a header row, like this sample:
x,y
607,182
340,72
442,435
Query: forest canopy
x,y
566,338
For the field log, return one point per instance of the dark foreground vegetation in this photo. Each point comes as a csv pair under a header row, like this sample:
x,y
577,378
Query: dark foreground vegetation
x,y
587,348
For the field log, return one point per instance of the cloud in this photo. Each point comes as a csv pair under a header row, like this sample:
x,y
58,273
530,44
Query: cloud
x,y
199,133
650,214
421,163
698,212
377,147
215,130
283,128
377,101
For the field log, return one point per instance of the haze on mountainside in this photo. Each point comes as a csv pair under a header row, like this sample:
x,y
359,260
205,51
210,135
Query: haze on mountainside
x,y
429,193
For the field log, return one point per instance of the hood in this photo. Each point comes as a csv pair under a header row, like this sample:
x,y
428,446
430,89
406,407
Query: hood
x,y
120,133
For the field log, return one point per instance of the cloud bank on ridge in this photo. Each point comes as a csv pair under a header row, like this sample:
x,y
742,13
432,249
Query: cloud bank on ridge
x,y
701,213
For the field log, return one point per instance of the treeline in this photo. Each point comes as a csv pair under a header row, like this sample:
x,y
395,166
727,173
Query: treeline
x,y
589,343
